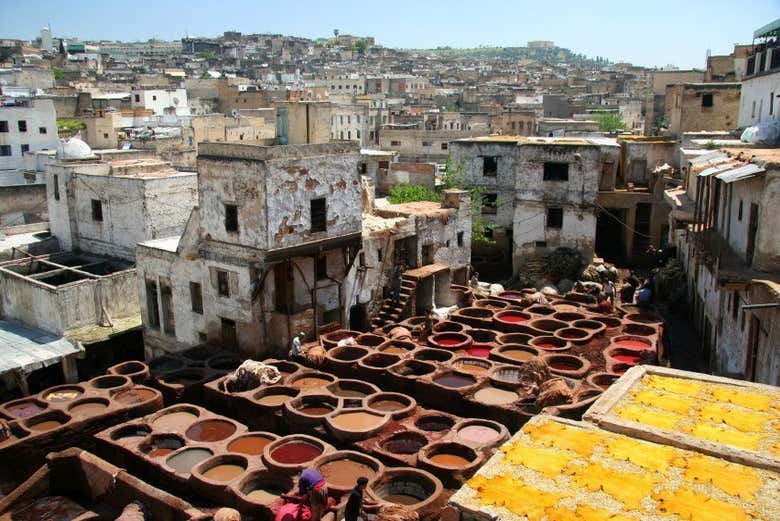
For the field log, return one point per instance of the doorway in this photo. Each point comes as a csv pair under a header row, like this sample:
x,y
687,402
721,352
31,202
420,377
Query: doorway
x,y
610,234
752,230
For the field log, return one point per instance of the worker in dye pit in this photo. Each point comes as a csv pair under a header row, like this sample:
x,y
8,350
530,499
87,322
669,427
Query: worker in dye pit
x,y
313,489
354,509
609,290
296,352
397,277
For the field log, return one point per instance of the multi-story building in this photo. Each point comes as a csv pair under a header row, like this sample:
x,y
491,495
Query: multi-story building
x,y
760,93
702,106
26,125
161,101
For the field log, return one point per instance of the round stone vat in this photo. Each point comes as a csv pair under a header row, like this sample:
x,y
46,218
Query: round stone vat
x,y
263,488
344,357
449,326
480,313
403,443
400,333
631,328
344,388
453,381
628,356
175,419
309,410
223,363
137,371
24,408
593,326
483,336
46,421
286,368
311,380
550,343
62,393
451,341
490,395
132,431
514,353
644,318
160,445
513,338
505,376
434,422
491,303
602,380
183,460
377,362
568,316
471,365
412,322
616,367
355,424
540,309
88,407
166,364
275,396
211,430
480,433
293,453
510,320
370,339
611,323
221,469
547,325
516,296
413,488
341,469
632,342
136,395
574,335
567,365
397,347
331,340
430,354
479,350
110,382
185,377
446,458
252,443
397,405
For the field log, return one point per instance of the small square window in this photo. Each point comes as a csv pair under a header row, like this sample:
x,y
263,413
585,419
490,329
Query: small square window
x,y
22,125
318,215
489,203
25,148
556,171
137,98
555,217
5,150
444,146
42,130
321,267
3,126
154,98
231,218
97,210
541,244
105,135
706,100
223,283
395,143
489,166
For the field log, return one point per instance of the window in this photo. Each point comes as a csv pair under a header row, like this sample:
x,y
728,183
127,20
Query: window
x,y
97,210
349,134
460,238
105,135
489,166
321,267
357,134
223,283
556,172
56,183
540,244
426,143
318,215
706,100
444,146
152,308
489,203
229,336
341,120
196,297
739,212
379,254
771,101
555,217
169,321
752,113
395,143
734,305
349,120
154,98
5,150
22,124
3,126
137,98
231,218
512,124
25,148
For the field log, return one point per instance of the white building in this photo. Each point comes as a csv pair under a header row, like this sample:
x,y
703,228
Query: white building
x,y
25,126
161,101
349,122
761,85
46,42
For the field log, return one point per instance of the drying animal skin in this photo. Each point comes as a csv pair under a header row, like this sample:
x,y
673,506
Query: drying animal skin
x,y
741,420
673,385
585,513
549,462
554,434
746,399
667,402
657,458
515,495
716,433
628,488
688,504
637,413
735,480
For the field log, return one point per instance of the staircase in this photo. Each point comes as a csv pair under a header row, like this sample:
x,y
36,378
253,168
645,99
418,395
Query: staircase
x,y
391,313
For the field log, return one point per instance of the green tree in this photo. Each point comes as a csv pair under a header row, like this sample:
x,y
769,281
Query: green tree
x,y
610,121
58,74
361,46
406,193
454,178
206,55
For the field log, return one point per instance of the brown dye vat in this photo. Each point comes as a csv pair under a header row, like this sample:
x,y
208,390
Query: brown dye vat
x,y
131,431
317,410
162,446
275,396
88,407
265,495
211,430
610,322
395,350
251,445
25,409
184,461
156,453
311,382
434,423
134,396
295,453
643,318
174,421
224,472
447,325
348,353
572,333
370,340
568,316
433,355
379,360
185,377
351,388
357,421
550,343
388,405
449,460
285,368
109,382
404,443
540,310
513,338
495,396
519,355
46,425
472,366
454,381
638,329
63,394
549,325
602,380
344,473
136,371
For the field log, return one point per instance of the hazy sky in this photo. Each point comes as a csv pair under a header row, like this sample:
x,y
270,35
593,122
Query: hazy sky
x,y
652,32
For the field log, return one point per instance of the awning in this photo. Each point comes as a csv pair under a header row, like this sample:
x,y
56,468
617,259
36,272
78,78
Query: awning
x,y
738,174
717,169
768,31
26,349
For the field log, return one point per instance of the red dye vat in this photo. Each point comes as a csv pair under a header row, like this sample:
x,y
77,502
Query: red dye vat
x,y
448,341
627,359
479,352
571,335
565,366
295,453
513,319
546,346
631,344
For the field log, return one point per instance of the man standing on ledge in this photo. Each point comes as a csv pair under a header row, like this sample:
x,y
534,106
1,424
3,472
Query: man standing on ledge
x,y
354,509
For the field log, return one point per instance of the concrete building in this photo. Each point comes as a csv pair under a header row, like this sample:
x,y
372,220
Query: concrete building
x,y
731,257
161,101
349,122
26,125
656,103
691,107
303,122
413,144
514,122
761,84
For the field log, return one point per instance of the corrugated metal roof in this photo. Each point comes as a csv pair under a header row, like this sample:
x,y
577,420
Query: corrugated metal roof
x,y
717,169
27,349
709,158
738,174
